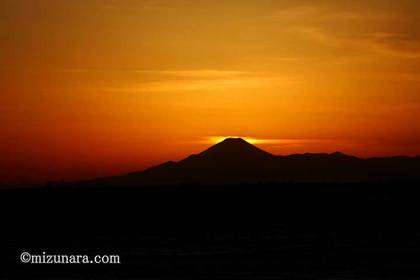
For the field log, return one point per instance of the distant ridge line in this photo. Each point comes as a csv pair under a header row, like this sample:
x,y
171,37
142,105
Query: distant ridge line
x,y
235,161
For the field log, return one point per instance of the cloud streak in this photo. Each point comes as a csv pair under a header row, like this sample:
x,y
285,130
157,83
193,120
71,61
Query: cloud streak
x,y
188,80
386,31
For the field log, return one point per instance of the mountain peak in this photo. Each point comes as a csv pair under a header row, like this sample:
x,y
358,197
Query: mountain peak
x,y
234,140
234,148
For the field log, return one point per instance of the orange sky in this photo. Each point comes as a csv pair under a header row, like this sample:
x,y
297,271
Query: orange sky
x,y
100,87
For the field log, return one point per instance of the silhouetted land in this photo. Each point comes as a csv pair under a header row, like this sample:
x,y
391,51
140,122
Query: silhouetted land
x,y
279,230
235,161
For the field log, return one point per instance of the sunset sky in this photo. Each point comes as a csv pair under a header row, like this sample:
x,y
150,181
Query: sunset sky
x,y
101,87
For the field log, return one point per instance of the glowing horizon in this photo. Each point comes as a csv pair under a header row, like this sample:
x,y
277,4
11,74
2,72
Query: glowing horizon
x,y
218,139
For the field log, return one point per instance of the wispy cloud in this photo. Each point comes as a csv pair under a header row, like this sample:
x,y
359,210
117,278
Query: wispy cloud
x,y
186,80
396,43
199,85
319,35
319,14
384,31
202,73
206,73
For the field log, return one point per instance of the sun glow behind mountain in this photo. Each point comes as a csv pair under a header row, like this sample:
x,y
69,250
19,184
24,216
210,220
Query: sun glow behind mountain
x,y
217,139
285,143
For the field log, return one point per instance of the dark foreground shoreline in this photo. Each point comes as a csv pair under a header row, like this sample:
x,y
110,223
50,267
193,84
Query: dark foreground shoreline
x,y
288,231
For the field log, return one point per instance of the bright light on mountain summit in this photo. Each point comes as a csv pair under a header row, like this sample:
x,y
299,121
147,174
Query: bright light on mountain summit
x,y
217,139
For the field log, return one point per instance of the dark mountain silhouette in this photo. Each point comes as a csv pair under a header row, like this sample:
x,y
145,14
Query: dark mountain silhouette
x,y
235,149
268,224
278,219
235,161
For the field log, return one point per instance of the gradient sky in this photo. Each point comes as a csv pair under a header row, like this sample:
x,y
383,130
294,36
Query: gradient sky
x,y
100,87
